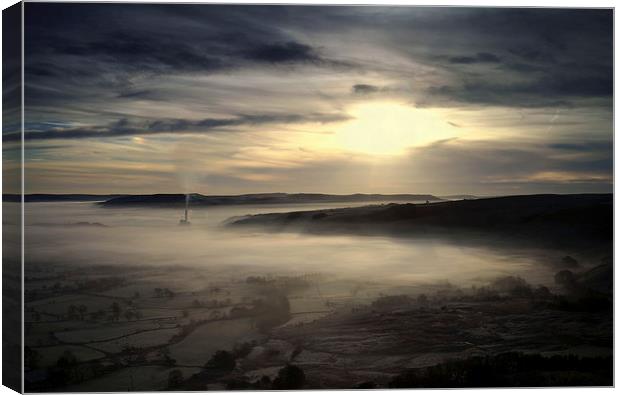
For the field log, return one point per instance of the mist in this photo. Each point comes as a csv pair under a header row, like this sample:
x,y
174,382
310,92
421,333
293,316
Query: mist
x,y
85,234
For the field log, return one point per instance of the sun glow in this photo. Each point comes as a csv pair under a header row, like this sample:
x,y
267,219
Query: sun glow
x,y
386,128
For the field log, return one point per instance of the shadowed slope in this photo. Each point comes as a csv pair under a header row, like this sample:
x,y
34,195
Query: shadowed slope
x,y
568,218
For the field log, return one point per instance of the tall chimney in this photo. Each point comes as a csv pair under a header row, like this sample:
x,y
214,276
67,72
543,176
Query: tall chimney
x,y
186,205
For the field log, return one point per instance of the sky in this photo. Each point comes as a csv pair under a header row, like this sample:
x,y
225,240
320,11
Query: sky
x,y
221,99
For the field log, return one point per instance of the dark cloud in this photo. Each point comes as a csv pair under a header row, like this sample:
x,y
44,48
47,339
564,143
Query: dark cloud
x,y
522,68
139,94
505,161
524,57
283,53
590,146
81,53
139,52
542,56
126,127
205,39
480,57
85,57
533,55
365,89
135,52
547,90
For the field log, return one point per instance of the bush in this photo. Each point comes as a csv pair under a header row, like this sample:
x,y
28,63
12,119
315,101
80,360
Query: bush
x,y
222,360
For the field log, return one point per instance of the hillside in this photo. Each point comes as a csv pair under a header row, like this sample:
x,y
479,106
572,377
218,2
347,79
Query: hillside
x,y
568,218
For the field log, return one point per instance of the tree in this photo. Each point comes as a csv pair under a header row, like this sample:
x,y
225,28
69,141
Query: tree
x,y
65,370
222,360
289,377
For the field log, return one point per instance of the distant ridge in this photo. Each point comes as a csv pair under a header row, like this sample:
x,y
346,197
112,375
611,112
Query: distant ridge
x,y
51,197
459,197
165,200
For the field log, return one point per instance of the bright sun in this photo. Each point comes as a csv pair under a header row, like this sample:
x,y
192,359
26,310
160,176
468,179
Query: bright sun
x,y
386,128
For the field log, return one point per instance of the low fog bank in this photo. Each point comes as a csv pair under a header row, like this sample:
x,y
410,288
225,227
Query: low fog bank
x,y
357,243
127,299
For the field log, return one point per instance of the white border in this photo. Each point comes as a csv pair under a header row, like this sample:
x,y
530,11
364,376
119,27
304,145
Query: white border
x,y
474,3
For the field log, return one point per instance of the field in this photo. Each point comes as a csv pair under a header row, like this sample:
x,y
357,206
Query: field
x,y
128,335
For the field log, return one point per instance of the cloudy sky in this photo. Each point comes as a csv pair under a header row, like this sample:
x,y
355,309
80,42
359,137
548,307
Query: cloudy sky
x,y
238,99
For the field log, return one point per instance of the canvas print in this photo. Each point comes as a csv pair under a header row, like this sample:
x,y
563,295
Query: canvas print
x,y
277,197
